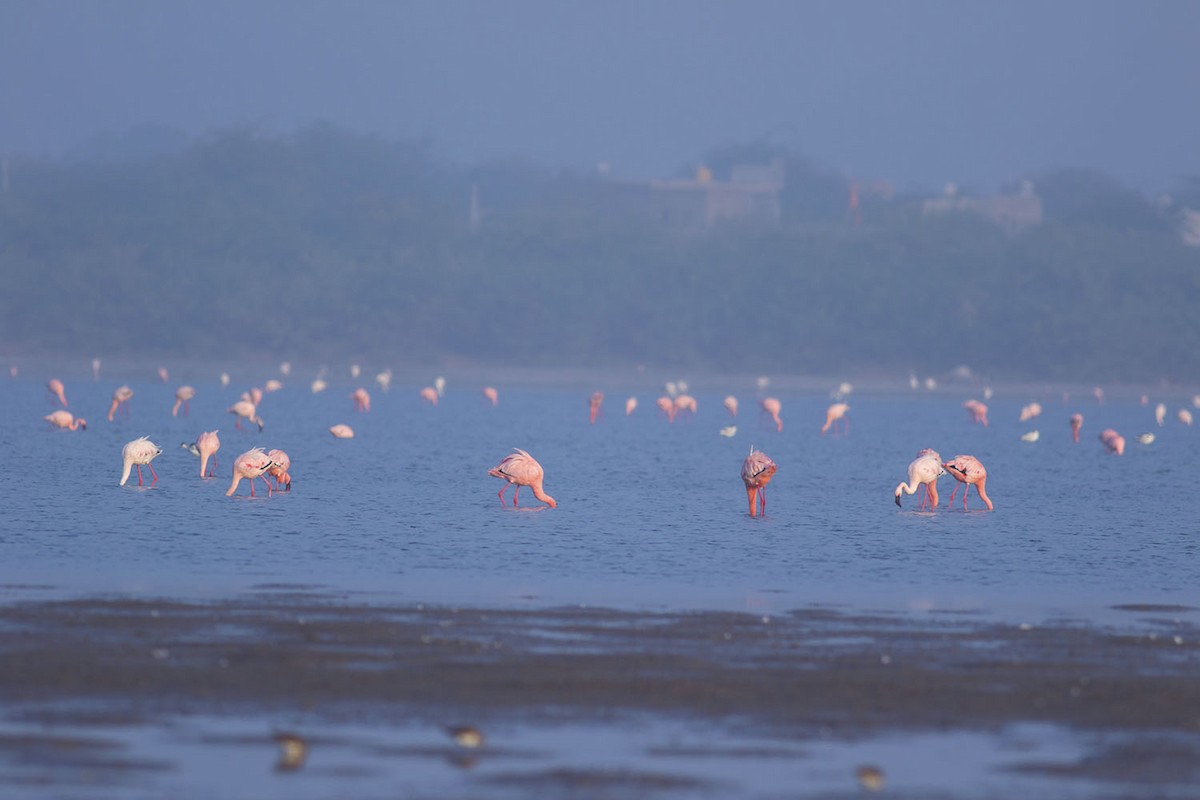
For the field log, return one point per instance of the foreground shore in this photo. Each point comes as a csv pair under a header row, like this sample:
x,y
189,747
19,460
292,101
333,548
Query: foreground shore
x,y
1131,695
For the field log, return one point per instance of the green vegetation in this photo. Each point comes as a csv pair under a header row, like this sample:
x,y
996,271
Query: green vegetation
x,y
331,244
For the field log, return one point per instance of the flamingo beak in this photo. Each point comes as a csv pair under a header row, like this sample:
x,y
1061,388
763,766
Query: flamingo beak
x,y
898,502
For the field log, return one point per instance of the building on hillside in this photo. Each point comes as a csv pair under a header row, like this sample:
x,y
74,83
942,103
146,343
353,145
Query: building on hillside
x,y
752,193
1012,212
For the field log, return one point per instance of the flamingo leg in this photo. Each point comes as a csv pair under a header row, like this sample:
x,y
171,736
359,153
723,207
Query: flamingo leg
x,y
932,495
966,491
265,483
516,491
501,494
762,501
139,469
152,472
952,493
252,487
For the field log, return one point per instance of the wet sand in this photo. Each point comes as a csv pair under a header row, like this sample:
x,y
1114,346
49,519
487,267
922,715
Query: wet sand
x,y
812,674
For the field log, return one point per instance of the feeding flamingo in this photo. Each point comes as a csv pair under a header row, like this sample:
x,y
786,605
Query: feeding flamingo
x,y
630,405
342,432
244,409
772,406
250,465
1076,424
594,403
731,404
667,406
521,469
183,396
1030,411
206,446
923,471
757,471
430,395
64,419
137,453
968,471
833,414
978,412
56,388
492,396
685,402
280,464
362,399
120,399
1114,441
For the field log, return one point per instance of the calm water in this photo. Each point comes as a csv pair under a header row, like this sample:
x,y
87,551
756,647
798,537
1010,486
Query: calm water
x,y
650,514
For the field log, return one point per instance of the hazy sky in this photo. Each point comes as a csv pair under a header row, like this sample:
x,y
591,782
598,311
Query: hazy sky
x,y
972,91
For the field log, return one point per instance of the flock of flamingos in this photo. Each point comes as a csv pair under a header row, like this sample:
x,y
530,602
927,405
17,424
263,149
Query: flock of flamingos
x,y
520,469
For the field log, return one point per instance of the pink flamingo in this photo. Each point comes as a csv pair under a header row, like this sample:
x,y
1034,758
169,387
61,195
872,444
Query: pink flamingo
x,y
772,406
757,471
521,469
594,404
163,374
968,470
731,404
492,396
120,399
1114,441
244,409
342,432
1030,411
978,412
1076,424
135,454
56,388
280,464
667,406
430,395
362,399
685,402
833,414
208,443
923,471
183,397
64,419
250,465
630,406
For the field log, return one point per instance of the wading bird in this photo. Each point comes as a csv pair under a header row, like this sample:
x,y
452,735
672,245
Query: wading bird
x,y
1076,424
342,432
137,453
244,409
56,388
205,447
64,419
1114,441
968,471
521,469
757,471
772,406
120,399
183,396
925,469
250,465
833,414
362,399
280,464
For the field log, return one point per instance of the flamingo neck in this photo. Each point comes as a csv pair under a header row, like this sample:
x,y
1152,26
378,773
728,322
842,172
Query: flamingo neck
x,y
545,498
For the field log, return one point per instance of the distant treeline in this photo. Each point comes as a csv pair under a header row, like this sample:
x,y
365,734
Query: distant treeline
x,y
330,244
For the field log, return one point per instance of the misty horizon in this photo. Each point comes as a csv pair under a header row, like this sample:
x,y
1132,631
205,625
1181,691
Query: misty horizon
x,y
919,94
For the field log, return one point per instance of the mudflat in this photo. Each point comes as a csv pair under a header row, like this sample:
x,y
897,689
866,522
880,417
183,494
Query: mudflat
x,y
813,674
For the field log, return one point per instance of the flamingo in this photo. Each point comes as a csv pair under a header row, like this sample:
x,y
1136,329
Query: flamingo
x,y
120,399
183,396
362,399
772,406
342,432
667,406
56,388
923,471
273,385
833,414
135,454
978,412
968,470
245,409
384,379
1160,413
1114,441
163,374
207,445
521,469
64,419
731,404
1184,416
594,403
250,465
1030,411
757,471
280,464
95,369
319,385
630,405
492,396
685,402
430,395
1076,424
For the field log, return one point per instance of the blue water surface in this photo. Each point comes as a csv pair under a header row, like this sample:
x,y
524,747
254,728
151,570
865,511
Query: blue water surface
x,y
650,514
